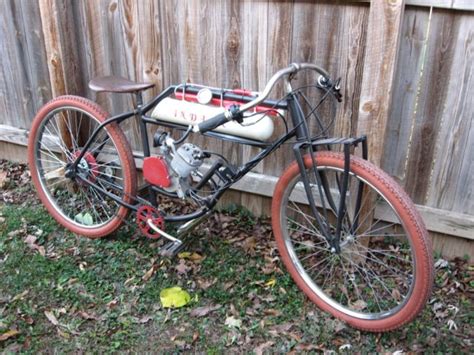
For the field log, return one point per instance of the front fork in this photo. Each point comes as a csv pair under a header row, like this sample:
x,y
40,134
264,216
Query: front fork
x,y
326,202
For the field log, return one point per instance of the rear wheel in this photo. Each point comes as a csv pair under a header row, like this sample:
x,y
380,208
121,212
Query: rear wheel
x,y
81,202
382,275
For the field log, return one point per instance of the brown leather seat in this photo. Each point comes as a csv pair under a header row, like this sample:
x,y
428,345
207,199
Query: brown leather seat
x,y
117,84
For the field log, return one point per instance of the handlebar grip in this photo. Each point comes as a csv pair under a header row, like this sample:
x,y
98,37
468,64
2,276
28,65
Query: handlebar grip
x,y
213,122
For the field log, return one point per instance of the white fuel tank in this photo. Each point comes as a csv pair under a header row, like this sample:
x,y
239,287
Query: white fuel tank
x,y
257,126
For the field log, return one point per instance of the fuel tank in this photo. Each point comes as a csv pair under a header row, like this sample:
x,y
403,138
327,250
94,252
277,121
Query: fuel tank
x,y
257,126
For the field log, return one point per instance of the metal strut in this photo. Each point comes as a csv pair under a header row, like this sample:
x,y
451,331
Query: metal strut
x,y
171,248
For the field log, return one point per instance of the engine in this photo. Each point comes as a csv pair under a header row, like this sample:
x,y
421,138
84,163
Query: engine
x,y
187,159
173,168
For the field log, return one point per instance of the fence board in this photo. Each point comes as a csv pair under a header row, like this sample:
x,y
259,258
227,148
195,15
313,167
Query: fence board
x,y
410,69
379,68
452,178
17,95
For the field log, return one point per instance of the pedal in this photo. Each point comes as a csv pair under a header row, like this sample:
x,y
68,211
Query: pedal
x,y
171,248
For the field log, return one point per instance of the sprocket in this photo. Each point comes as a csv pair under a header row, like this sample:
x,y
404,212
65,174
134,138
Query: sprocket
x,y
145,213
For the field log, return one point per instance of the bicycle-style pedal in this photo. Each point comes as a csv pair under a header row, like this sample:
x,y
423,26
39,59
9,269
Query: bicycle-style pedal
x,y
170,249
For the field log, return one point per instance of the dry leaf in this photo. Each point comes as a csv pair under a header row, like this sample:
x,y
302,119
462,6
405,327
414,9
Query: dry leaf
x,y
262,347
19,296
30,239
3,179
51,317
272,312
112,304
145,319
64,334
232,322
203,311
249,245
280,329
11,333
87,316
195,336
149,273
182,268
359,305
205,284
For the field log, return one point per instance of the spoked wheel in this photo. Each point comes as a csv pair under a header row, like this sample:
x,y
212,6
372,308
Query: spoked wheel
x,y
382,274
81,200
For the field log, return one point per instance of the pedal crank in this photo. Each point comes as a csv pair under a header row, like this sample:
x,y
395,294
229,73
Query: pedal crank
x,y
172,247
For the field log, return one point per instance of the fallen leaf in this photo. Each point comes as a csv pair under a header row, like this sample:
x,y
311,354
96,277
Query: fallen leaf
x,y
87,316
195,336
232,322
359,305
112,304
203,311
308,347
11,333
441,263
261,348
145,319
228,285
182,268
19,296
150,273
30,239
272,312
279,330
271,282
195,257
249,245
64,334
205,284
174,297
51,317
3,179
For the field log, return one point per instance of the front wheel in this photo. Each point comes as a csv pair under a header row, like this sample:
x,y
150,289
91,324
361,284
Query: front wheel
x,y
382,274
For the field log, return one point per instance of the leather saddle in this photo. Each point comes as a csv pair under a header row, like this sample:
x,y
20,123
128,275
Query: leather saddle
x,y
117,84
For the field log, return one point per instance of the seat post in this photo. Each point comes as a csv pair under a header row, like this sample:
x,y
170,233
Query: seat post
x,y
139,98
142,123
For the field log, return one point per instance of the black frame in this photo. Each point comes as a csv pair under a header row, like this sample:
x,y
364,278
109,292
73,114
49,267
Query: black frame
x,y
304,143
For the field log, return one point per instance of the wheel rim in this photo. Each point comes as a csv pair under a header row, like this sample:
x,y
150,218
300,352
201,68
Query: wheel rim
x,y
59,141
373,276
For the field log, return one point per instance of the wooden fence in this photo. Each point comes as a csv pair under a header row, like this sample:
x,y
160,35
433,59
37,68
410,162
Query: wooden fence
x,y
406,68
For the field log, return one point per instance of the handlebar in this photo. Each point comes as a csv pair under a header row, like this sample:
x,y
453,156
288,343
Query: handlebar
x,y
290,71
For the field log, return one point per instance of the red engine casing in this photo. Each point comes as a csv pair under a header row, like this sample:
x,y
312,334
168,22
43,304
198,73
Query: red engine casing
x,y
155,171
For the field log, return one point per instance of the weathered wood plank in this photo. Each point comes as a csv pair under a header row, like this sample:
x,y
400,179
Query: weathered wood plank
x,y
411,67
452,176
442,4
33,55
385,19
14,88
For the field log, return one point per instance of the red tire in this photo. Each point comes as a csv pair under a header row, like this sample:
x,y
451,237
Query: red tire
x,y
109,163
383,249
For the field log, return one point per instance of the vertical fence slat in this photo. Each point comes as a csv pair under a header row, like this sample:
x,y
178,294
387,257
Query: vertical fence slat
x,y
384,27
406,103
452,176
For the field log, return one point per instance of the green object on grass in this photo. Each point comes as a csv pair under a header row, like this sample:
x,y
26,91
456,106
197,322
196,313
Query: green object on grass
x,y
174,297
85,219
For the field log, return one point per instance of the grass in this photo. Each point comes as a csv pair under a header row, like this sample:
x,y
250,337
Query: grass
x,y
101,300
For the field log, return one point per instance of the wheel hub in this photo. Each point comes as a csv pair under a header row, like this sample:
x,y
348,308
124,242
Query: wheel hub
x,y
87,167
